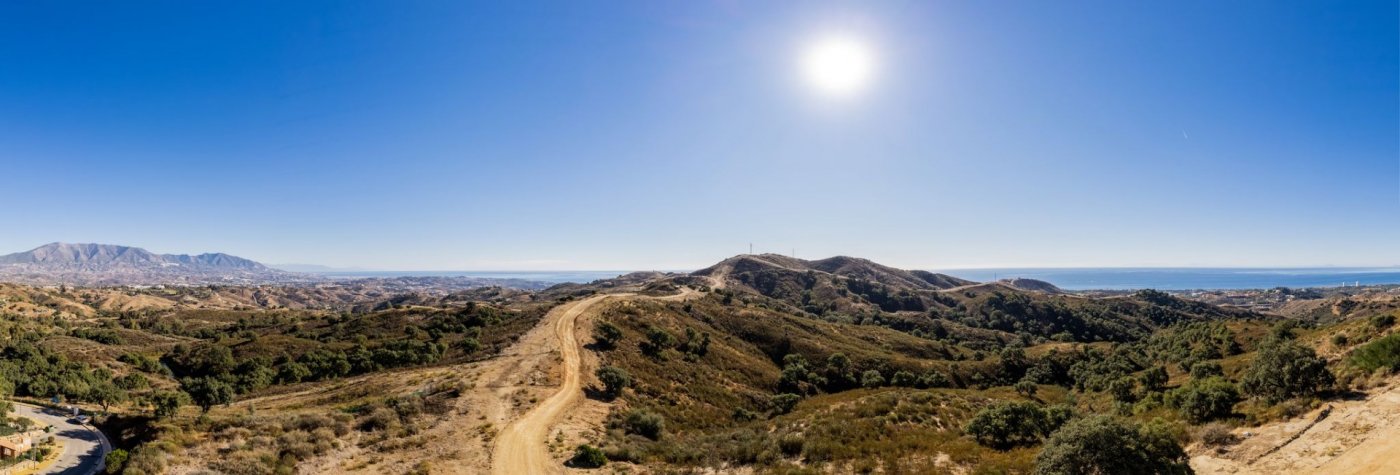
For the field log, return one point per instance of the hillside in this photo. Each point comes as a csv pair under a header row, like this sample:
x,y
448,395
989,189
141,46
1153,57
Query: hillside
x,y
856,290
723,370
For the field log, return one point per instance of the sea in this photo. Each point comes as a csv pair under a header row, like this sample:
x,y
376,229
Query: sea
x,y
1191,278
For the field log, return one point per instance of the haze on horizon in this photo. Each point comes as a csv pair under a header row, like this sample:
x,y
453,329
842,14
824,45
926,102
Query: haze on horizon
x,y
642,135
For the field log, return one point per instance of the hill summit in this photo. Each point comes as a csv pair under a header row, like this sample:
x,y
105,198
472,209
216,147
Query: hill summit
x,y
110,264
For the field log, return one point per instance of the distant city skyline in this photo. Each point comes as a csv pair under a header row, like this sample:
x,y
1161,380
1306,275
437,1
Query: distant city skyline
x,y
641,135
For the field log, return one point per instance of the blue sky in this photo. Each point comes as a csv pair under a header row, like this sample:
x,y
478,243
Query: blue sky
x,y
669,135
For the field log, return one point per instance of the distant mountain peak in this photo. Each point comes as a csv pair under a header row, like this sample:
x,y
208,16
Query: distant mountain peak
x,y
113,264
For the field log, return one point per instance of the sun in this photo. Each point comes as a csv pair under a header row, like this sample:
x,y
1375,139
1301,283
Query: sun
x,y
838,65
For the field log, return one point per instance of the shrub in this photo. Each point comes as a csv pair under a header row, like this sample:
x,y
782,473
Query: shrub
x,y
1206,369
645,424
1154,379
904,379
933,379
614,380
1205,399
469,344
381,418
115,460
587,456
607,335
658,341
1339,339
1026,388
1216,434
1382,353
1007,424
783,403
1122,389
1381,322
872,379
1283,369
1106,445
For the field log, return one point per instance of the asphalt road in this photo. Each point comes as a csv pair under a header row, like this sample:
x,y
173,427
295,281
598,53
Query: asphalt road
x,y
83,447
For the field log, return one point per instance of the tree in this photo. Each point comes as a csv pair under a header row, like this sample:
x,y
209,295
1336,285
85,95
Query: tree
x,y
1206,369
1106,445
207,392
167,403
658,340
116,460
1154,378
904,379
614,380
607,335
587,456
839,375
292,372
1026,388
872,379
106,393
469,344
1122,389
932,379
1283,369
1203,400
1008,424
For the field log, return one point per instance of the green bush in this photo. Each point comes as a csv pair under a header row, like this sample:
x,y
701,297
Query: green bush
x,y
1107,445
1283,369
116,460
1206,369
872,379
1026,388
1204,399
614,380
587,456
607,335
1008,424
1382,353
644,423
1154,378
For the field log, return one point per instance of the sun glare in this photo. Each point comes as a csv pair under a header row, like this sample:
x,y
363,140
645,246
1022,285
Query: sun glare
x,y
838,65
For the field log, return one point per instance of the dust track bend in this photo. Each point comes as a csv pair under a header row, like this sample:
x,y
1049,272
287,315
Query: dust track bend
x,y
521,447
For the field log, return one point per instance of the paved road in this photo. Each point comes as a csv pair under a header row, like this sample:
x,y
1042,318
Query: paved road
x,y
83,446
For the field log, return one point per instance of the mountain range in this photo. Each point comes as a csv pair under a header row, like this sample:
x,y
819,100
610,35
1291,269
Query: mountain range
x,y
108,264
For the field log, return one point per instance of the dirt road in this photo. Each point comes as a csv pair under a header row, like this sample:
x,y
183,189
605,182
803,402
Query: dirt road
x,y
521,446
1358,437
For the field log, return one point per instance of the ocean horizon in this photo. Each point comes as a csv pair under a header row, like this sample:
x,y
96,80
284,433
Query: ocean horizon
x,y
1187,278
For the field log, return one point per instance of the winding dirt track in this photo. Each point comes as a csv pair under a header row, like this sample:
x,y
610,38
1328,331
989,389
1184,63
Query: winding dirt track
x,y
521,447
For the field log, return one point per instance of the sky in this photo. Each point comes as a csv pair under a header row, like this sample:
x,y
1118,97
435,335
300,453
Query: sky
x,y
634,135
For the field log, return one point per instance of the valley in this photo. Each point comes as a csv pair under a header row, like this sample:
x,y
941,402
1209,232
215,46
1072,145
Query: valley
x,y
758,364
